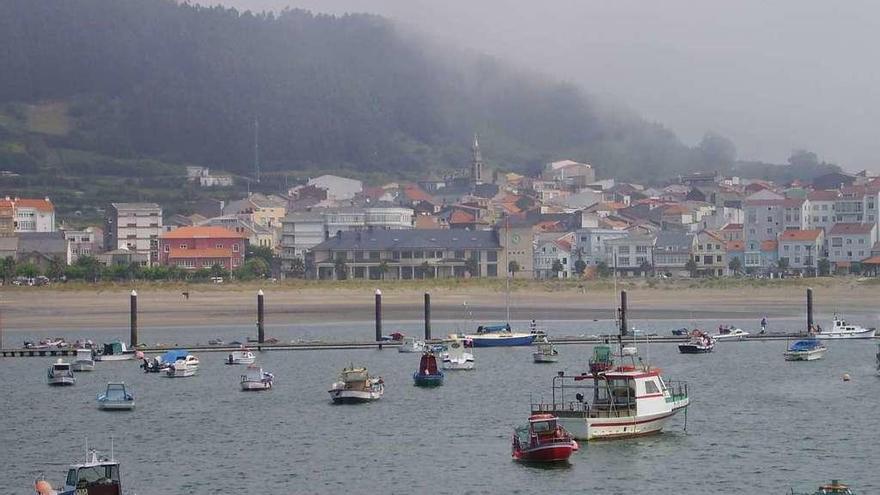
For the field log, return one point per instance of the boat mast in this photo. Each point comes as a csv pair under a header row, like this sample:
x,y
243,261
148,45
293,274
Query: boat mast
x,y
507,257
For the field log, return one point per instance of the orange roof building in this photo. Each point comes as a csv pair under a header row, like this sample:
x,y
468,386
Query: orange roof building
x,y
200,247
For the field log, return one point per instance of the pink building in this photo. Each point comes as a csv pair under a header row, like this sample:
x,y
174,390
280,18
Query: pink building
x,y
193,248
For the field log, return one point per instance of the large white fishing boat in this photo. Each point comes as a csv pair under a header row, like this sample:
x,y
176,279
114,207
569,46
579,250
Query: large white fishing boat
x,y
84,360
182,368
61,373
95,476
616,400
356,385
254,378
457,356
840,329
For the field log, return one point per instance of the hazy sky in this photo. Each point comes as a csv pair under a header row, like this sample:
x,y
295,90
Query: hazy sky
x,y
772,76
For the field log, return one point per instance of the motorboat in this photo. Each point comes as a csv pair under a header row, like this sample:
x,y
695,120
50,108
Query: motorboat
x,y
216,342
411,344
805,350
95,476
254,379
84,360
835,487
543,439
730,333
241,356
500,336
61,373
116,398
162,362
622,400
115,351
428,375
355,385
840,329
456,356
699,343
546,352
393,337
680,332
182,368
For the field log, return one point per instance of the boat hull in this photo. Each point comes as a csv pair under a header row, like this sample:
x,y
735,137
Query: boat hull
x,y
591,429
353,396
180,373
868,333
559,452
693,349
427,380
491,340
116,405
114,357
811,355
458,365
61,381
83,366
255,386
544,358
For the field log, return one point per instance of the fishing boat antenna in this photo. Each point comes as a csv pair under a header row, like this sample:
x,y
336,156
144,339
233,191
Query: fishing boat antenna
x,y
87,448
507,268
112,456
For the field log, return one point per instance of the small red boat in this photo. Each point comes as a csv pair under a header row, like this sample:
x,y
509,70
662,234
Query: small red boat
x,y
543,440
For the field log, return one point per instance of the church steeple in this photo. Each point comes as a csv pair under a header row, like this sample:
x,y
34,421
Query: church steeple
x,y
477,164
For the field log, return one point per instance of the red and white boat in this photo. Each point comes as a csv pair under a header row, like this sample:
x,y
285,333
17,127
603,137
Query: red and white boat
x,y
542,440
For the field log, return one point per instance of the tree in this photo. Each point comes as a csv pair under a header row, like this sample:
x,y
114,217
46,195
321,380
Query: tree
x,y
472,267
383,268
341,269
263,252
580,266
691,267
512,268
824,267
7,268
426,270
735,265
782,265
28,270
645,267
298,268
217,270
557,268
56,268
603,270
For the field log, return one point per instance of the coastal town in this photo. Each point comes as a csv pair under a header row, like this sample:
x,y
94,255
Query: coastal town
x,y
562,224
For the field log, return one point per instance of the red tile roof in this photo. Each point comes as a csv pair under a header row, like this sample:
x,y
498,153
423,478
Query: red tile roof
x,y
800,235
851,228
37,204
822,195
200,253
202,233
769,245
565,245
736,246
764,202
416,193
460,216
873,260
676,210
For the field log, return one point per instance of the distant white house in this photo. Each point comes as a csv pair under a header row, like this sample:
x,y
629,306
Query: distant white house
x,y
338,188
203,176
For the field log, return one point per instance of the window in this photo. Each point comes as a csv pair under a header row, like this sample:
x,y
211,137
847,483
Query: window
x,y
219,245
491,256
769,219
395,255
797,259
769,231
849,241
862,240
797,247
235,247
718,259
459,255
406,255
651,388
167,248
707,260
491,270
374,255
623,249
785,247
183,246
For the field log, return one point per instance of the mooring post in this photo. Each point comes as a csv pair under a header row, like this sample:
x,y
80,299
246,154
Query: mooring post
x,y
810,310
261,334
427,316
623,327
134,318
378,316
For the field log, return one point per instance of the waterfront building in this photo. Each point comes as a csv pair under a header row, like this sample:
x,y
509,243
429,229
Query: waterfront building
x,y
849,243
551,248
34,215
672,250
710,254
406,254
86,242
801,249
192,248
133,226
632,254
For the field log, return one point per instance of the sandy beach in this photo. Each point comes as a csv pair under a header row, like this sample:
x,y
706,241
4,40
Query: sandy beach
x,y
107,306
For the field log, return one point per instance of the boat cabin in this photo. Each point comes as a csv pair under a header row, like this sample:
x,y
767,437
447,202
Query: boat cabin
x,y
428,364
60,368
542,424
94,477
602,359
114,349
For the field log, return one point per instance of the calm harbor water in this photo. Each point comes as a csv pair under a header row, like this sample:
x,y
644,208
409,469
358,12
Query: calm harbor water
x,y
757,424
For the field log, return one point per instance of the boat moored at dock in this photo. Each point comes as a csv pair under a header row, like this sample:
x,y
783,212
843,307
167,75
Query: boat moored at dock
x,y
116,398
60,373
241,356
543,439
255,379
163,361
699,343
456,356
115,351
500,336
805,350
546,352
412,344
84,360
93,477
428,375
840,329
355,385
181,368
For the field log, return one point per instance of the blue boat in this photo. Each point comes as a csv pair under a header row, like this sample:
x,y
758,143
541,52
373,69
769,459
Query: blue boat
x,y
428,374
500,336
162,362
805,350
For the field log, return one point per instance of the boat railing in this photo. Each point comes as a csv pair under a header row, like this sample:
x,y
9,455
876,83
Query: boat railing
x,y
678,389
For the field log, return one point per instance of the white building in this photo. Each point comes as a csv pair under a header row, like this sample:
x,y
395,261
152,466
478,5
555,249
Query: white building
x,y
133,226
550,248
88,242
34,215
633,254
850,242
589,245
338,188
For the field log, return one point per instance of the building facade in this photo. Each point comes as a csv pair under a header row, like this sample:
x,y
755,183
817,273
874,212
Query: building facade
x,y
801,249
550,250
193,248
710,254
34,215
672,251
632,254
406,254
850,243
133,226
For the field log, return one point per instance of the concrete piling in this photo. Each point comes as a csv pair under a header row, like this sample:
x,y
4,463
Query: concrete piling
x,y
134,318
378,315
261,328
427,316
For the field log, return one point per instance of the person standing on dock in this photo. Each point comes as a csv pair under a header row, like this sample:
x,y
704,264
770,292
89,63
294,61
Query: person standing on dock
x,y
763,325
